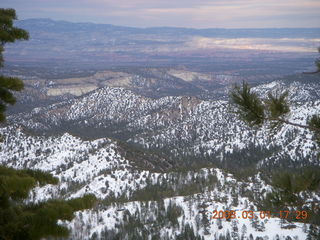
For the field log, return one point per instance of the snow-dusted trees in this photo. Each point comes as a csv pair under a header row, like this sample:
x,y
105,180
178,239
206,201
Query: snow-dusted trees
x,y
18,219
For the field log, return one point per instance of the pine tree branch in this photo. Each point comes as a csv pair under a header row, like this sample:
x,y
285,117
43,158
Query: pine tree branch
x,y
294,124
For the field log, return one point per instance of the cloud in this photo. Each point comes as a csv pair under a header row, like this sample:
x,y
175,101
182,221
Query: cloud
x,y
183,13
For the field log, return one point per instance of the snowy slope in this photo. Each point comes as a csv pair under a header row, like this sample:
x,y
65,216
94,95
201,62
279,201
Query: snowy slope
x,y
97,167
142,193
186,126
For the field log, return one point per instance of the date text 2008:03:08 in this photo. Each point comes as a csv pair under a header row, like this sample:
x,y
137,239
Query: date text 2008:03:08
x,y
261,214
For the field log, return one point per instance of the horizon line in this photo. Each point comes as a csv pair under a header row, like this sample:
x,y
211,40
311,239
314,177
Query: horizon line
x,y
99,23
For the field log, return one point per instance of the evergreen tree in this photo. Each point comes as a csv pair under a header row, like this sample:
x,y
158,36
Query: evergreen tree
x,y
317,63
273,111
243,231
228,236
234,230
289,184
205,223
19,219
313,234
256,111
8,34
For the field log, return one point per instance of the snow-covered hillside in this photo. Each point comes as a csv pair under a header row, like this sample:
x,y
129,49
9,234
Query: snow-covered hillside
x,y
186,126
144,160
127,197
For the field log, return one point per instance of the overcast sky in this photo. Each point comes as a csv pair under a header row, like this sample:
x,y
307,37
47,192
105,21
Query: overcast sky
x,y
178,13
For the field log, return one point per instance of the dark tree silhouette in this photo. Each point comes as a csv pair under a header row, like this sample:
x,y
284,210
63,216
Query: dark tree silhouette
x,y
8,34
256,111
18,219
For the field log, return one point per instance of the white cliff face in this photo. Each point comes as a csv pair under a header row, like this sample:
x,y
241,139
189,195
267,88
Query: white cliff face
x,y
76,91
189,76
